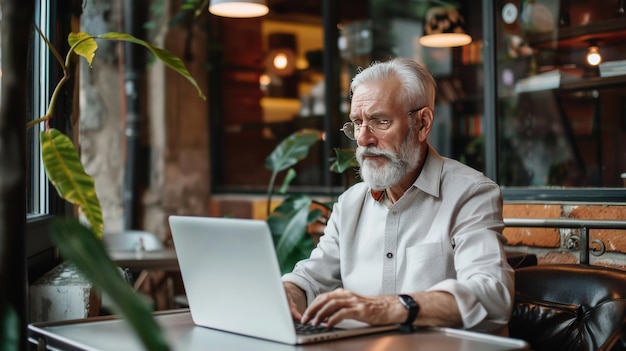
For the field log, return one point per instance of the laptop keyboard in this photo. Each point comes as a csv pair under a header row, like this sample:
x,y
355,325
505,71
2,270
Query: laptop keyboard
x,y
309,329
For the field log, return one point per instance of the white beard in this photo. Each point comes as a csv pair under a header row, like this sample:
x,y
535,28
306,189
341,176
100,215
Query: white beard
x,y
383,176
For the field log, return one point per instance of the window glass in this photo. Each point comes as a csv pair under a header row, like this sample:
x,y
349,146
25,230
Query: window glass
x,y
561,119
38,203
51,17
547,122
272,83
0,52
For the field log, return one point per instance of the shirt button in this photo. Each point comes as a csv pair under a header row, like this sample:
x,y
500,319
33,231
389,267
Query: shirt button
x,y
394,212
389,255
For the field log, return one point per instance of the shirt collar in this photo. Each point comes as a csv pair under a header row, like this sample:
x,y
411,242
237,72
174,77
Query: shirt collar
x,y
428,180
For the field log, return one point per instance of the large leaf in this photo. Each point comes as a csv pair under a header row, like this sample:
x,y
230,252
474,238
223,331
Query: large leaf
x,y
346,163
84,44
292,149
79,246
288,225
86,47
300,251
167,57
289,177
345,160
10,339
68,176
286,154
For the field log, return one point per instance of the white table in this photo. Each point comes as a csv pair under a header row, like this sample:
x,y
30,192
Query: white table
x,y
110,333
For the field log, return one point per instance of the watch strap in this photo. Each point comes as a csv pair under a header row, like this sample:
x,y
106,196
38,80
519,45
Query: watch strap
x,y
411,305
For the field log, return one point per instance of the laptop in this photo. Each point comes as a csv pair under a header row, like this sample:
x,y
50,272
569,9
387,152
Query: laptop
x,y
232,280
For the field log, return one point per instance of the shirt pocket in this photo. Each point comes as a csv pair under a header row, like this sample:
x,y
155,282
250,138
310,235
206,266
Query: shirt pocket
x,y
425,265
424,252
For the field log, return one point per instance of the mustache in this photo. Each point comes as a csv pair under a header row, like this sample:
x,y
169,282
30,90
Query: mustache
x,y
368,151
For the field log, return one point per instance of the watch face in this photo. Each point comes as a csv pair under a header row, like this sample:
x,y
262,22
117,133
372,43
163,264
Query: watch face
x,y
412,306
407,301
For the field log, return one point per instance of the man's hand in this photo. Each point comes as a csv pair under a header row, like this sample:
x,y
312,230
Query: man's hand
x,y
297,300
335,306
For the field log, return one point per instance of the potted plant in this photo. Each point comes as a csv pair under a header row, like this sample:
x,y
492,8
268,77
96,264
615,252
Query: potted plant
x,y
77,243
290,220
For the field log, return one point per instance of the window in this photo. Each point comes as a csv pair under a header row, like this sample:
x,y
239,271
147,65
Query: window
x,y
560,120
38,198
255,105
42,201
559,143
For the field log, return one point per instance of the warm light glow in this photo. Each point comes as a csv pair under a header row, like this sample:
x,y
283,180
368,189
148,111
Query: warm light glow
x,y
444,27
593,56
238,8
302,63
445,40
280,61
265,80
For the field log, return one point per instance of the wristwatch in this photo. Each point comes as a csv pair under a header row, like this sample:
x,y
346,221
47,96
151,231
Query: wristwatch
x,y
409,303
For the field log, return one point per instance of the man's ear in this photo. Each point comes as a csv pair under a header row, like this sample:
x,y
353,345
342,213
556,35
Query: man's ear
x,y
426,123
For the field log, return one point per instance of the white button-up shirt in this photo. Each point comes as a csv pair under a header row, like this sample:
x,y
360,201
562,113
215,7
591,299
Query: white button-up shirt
x,y
443,234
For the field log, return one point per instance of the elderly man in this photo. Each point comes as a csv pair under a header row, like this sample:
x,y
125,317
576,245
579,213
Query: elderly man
x,y
418,242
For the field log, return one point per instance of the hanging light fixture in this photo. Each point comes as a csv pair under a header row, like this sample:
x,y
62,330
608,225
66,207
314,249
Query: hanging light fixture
x,y
444,27
593,55
239,8
281,62
281,57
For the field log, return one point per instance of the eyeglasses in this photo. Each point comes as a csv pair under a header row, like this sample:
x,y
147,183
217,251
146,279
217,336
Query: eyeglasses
x,y
352,129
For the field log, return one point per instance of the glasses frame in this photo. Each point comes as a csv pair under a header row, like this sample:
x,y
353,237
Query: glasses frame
x,y
350,129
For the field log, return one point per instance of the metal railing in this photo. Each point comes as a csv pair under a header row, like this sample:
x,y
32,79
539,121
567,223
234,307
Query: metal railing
x,y
596,246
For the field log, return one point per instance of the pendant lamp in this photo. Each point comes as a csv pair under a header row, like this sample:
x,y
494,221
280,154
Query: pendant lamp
x,y
239,8
593,56
444,27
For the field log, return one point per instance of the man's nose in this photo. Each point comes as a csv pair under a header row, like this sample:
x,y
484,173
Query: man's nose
x,y
366,136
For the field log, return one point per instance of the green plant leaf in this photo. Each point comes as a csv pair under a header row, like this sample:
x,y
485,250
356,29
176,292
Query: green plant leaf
x,y
167,57
10,338
289,177
87,47
288,225
286,154
313,215
68,176
78,245
345,160
299,252
292,149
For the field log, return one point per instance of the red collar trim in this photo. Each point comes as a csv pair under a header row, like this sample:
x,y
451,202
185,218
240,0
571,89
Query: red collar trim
x,y
378,195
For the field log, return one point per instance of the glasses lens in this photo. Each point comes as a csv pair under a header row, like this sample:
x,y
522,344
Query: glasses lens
x,y
348,130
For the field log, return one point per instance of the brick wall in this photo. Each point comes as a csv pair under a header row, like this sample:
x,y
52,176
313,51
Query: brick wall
x,y
551,245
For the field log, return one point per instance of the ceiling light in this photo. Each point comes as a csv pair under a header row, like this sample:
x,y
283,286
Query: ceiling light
x,y
444,27
281,61
593,56
239,8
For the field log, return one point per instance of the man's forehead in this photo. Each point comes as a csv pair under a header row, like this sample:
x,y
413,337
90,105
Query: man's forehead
x,y
374,98
377,90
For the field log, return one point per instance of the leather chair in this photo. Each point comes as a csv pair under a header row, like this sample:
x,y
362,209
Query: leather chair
x,y
570,307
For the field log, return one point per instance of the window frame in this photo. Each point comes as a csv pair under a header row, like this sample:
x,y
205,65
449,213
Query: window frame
x,y
41,254
524,194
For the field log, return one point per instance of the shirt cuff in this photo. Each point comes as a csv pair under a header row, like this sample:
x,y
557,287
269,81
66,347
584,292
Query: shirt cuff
x,y
472,312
